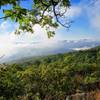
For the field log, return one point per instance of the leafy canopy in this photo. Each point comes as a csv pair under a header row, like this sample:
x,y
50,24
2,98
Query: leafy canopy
x,y
47,13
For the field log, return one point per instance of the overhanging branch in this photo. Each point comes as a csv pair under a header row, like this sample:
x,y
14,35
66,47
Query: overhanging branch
x,y
56,16
5,17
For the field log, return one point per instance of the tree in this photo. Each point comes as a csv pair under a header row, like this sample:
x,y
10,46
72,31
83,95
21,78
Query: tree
x,y
47,13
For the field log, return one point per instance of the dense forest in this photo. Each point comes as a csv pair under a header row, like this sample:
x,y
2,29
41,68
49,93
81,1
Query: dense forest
x,y
51,77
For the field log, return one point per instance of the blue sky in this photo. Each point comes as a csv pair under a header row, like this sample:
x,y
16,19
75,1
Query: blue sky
x,y
86,24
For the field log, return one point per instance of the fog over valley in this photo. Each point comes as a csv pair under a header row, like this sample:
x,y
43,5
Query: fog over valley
x,y
19,50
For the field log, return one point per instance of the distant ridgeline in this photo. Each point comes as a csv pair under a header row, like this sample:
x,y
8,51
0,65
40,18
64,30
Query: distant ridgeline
x,y
51,77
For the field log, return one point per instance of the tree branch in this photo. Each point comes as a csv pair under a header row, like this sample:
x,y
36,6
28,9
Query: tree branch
x,y
5,17
56,16
44,11
44,4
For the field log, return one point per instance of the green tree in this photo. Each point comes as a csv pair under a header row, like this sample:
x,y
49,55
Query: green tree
x,y
46,13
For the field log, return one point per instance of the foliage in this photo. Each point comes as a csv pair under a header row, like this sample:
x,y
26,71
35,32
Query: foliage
x,y
51,77
46,13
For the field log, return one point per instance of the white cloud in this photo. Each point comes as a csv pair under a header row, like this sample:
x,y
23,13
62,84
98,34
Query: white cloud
x,y
74,12
8,40
7,27
7,33
91,10
94,15
82,48
11,51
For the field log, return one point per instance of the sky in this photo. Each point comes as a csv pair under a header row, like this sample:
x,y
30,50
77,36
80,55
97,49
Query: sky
x,y
85,17
86,25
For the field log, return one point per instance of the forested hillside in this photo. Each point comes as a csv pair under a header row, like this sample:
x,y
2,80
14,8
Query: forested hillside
x,y
51,77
